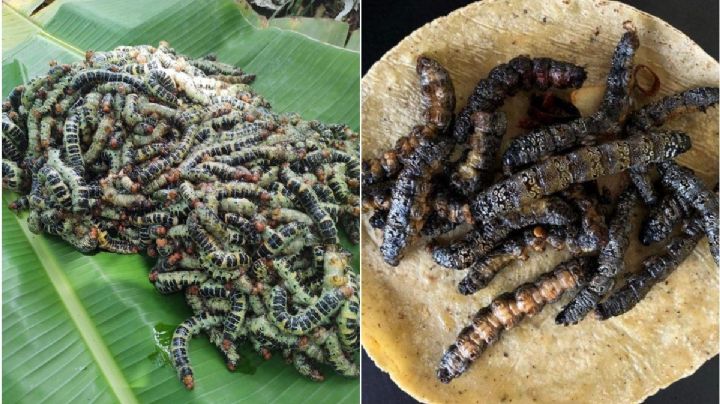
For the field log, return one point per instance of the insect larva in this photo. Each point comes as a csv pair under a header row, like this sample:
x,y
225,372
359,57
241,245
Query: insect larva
x,y
204,241
246,228
324,193
594,232
276,241
586,164
348,317
270,336
535,145
616,100
175,281
224,171
10,152
298,292
476,171
437,92
654,270
610,262
241,206
339,186
13,176
656,113
485,268
119,199
335,355
461,254
15,97
229,351
95,77
506,311
235,317
643,182
309,317
104,128
229,259
213,288
14,133
130,112
311,205
504,80
304,367
687,186
410,194
156,167
55,184
662,219
149,151
285,215
78,188
162,86
179,345
116,245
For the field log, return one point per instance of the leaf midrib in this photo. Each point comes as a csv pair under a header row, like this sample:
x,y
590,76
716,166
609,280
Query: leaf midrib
x,y
80,317
41,31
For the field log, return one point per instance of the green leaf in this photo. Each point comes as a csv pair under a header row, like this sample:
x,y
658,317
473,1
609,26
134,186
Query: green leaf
x,y
323,29
354,42
83,328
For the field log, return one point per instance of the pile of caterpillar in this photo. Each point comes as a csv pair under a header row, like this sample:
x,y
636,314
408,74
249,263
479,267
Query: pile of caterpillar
x,y
144,150
545,193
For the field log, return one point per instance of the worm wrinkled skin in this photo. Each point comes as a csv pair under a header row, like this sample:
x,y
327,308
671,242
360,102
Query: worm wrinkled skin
x,y
507,310
586,164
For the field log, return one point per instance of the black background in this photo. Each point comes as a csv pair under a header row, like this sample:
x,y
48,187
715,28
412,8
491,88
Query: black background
x,y
385,23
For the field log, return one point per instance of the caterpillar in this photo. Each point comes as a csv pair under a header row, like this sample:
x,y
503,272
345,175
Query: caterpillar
x,y
175,281
308,318
348,319
94,77
595,231
504,80
304,367
543,142
277,241
336,356
662,219
482,271
461,254
437,92
179,344
12,175
507,310
654,269
687,186
585,164
610,262
656,113
299,293
311,205
410,194
162,86
476,171
235,318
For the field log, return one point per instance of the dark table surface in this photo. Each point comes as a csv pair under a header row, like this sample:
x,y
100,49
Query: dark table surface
x,y
385,23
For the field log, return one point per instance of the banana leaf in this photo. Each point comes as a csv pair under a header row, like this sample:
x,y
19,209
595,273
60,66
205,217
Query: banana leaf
x,y
91,328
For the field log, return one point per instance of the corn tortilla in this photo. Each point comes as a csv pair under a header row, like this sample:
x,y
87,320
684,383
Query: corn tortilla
x,y
412,313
